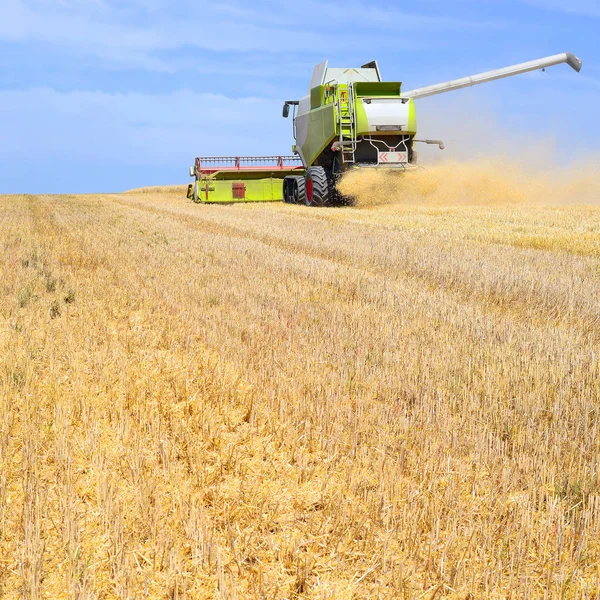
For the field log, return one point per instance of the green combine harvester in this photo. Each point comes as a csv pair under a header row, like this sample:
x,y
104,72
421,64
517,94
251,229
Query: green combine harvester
x,y
350,119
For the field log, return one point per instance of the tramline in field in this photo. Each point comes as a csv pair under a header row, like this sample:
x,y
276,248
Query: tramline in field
x,y
349,119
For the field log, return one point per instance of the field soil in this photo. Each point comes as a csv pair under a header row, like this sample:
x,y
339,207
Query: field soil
x,y
271,401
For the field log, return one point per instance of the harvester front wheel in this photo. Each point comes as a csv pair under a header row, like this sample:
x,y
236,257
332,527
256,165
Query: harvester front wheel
x,y
317,187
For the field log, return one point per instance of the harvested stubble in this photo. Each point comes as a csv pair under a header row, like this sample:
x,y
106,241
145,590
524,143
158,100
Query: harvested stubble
x,y
268,401
160,189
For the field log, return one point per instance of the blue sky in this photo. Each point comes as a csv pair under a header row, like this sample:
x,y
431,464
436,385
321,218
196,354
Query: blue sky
x,y
105,95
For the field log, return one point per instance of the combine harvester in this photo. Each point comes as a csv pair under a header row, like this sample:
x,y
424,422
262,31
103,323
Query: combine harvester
x,y
350,119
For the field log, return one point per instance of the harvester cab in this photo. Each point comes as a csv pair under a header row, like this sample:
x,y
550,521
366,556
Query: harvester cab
x,y
349,119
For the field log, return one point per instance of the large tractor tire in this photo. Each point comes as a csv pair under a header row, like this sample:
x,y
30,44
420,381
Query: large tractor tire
x,y
288,190
294,189
318,192
300,190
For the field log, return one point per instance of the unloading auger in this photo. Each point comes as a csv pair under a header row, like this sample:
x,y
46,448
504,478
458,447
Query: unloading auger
x,y
349,119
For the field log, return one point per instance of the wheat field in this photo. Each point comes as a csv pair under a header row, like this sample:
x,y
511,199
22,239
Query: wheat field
x,y
277,402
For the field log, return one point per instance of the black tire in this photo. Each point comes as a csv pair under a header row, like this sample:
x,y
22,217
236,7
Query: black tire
x,y
300,190
288,190
318,191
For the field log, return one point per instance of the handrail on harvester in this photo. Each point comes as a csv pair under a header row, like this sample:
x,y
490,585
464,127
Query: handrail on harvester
x,y
211,164
532,65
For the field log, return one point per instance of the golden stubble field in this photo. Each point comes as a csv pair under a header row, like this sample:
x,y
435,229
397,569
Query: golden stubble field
x,y
269,401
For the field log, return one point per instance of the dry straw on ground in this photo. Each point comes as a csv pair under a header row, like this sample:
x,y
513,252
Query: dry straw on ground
x,y
160,189
269,401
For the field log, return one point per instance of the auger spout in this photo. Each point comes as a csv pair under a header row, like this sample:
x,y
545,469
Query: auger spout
x,y
532,65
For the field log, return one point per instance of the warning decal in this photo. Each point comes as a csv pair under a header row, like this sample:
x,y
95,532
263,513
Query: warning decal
x,y
393,158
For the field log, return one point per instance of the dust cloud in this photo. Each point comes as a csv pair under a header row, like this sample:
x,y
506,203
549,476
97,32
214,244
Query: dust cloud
x,y
482,181
485,161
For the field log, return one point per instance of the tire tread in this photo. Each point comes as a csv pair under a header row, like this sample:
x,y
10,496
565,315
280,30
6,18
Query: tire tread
x,y
321,187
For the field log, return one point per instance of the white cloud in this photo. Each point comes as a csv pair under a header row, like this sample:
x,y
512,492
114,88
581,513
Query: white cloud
x,y
320,15
136,129
139,34
107,34
578,7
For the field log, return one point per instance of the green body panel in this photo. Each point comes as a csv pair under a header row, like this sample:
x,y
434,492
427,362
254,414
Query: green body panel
x,y
374,89
317,96
322,131
256,186
412,118
362,123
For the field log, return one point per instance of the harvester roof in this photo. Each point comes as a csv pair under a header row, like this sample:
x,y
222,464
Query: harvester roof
x,y
324,74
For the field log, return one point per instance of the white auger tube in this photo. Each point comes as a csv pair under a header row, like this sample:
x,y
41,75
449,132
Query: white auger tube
x,y
532,65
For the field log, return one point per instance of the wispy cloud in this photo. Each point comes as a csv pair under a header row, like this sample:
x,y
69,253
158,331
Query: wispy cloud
x,y
135,128
108,34
141,34
321,15
589,8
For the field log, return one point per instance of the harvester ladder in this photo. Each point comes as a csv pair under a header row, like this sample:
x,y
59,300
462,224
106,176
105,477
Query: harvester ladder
x,y
346,114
